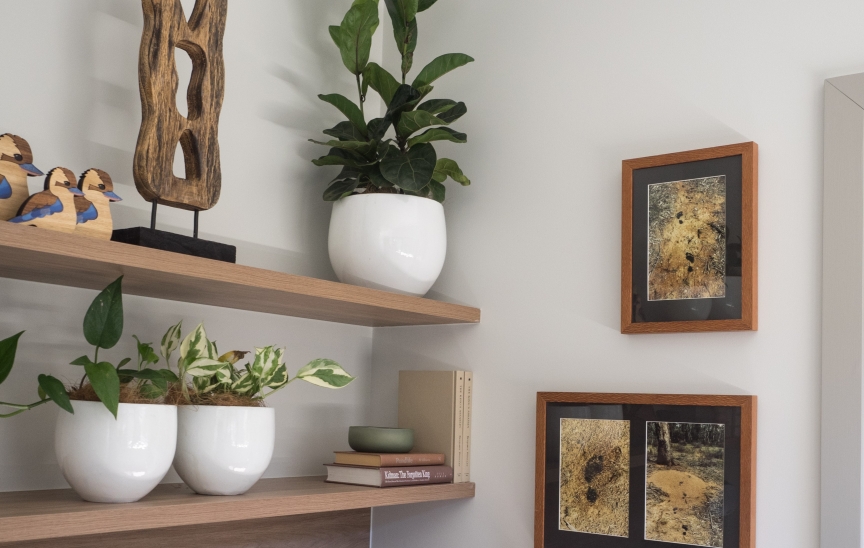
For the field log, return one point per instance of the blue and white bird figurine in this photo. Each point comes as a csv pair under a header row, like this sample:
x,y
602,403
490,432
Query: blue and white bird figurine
x,y
54,207
93,210
16,164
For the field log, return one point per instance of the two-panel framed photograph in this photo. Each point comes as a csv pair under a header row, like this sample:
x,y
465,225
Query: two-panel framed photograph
x,y
643,470
689,241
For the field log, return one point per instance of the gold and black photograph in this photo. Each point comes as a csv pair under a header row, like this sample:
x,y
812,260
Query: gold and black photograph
x,y
687,239
684,478
595,477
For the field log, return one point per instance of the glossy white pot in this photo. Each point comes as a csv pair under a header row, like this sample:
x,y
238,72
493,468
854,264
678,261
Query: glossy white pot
x,y
223,450
388,241
108,460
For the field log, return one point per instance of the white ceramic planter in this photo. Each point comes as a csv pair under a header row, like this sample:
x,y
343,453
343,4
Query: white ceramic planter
x,y
108,460
223,450
388,241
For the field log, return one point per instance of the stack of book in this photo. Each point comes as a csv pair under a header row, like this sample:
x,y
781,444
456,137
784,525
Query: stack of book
x,y
388,469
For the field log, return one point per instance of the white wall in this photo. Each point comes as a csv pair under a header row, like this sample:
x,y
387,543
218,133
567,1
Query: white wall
x,y
561,93
71,88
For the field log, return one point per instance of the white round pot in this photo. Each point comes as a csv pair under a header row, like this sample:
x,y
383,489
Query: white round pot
x,y
115,460
388,241
223,450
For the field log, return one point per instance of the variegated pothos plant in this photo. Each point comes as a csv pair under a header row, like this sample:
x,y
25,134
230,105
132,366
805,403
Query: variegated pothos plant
x,y
200,361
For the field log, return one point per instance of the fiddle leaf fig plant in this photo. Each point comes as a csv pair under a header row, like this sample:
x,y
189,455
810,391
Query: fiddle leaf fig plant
x,y
406,162
103,328
211,373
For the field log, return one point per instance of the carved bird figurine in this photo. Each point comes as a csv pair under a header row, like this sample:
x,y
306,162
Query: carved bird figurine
x,y
93,210
16,164
54,207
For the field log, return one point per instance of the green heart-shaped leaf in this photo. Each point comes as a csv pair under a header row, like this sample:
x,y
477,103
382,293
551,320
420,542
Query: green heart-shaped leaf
x,y
354,36
106,383
8,350
345,131
411,170
171,340
326,373
54,389
103,323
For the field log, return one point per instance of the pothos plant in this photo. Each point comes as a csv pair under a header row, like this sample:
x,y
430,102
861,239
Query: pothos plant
x,y
212,373
405,163
103,328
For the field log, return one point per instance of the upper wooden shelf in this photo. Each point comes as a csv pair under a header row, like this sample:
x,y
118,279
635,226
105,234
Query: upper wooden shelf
x,y
39,515
39,255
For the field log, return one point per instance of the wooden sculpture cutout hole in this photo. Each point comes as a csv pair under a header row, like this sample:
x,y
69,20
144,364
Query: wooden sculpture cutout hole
x,y
187,149
196,60
183,66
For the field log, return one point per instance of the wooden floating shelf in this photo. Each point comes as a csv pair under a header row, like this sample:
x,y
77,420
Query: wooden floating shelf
x,y
41,515
39,255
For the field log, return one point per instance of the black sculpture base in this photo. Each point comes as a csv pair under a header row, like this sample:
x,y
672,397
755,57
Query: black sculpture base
x,y
176,243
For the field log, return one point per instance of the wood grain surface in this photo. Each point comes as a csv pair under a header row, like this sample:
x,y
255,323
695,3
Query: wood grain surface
x,y
40,515
747,404
162,125
348,529
749,244
32,254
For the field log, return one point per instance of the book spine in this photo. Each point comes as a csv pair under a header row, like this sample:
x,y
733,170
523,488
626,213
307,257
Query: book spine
x,y
415,475
458,417
411,460
466,430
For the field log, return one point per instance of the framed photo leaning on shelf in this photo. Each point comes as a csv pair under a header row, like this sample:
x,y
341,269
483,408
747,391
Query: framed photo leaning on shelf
x,y
644,470
689,241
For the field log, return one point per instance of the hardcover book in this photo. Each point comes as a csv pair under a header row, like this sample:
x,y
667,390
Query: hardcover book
x,y
433,404
394,476
379,460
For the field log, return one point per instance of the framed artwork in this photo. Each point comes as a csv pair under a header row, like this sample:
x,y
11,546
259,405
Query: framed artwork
x,y
688,253
643,470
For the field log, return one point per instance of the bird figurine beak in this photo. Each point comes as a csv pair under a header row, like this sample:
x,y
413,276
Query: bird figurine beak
x,y
32,171
112,197
75,191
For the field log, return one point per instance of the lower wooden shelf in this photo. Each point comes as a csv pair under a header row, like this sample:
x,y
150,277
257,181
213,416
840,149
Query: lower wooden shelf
x,y
41,515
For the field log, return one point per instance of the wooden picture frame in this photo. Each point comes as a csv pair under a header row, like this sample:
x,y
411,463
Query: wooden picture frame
x,y
734,306
738,414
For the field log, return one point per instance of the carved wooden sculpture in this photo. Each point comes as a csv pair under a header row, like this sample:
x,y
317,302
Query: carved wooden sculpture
x,y
162,126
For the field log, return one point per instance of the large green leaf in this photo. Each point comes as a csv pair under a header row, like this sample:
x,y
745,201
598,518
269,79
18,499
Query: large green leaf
x,y
279,378
348,108
437,191
404,99
340,157
345,131
446,167
377,129
326,373
8,349
151,375
416,120
441,66
423,5
103,323
354,36
403,15
171,340
106,383
411,170
438,134
381,81
360,147
54,389
437,106
207,367
452,114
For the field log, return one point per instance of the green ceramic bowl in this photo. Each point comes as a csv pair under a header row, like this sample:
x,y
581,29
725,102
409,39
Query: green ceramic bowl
x,y
374,439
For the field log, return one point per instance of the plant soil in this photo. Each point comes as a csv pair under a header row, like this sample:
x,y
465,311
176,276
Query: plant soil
x,y
219,399
129,393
